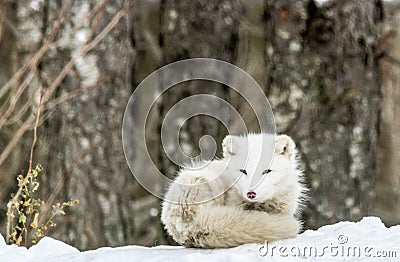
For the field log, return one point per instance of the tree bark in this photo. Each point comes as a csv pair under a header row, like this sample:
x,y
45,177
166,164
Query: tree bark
x,y
388,177
323,84
7,52
189,30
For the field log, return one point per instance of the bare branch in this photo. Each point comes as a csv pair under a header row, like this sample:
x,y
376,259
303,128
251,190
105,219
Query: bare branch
x,y
28,123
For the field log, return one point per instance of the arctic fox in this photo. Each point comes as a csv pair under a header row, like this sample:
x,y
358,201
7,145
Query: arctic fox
x,y
239,199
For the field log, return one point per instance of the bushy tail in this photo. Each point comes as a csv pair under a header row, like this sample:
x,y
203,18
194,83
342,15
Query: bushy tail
x,y
227,226
211,224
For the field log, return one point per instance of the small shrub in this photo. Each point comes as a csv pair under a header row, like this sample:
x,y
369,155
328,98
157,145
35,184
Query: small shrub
x,y
26,221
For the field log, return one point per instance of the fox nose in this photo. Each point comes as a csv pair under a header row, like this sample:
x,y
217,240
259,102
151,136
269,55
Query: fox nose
x,y
251,195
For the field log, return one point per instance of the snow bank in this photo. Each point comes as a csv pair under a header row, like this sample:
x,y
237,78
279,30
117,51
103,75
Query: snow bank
x,y
367,240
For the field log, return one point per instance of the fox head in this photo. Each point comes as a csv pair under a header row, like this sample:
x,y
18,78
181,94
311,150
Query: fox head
x,y
264,165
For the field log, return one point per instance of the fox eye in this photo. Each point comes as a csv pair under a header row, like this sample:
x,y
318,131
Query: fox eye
x,y
266,171
243,171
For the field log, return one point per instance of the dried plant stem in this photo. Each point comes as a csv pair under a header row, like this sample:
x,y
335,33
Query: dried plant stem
x,y
35,130
16,196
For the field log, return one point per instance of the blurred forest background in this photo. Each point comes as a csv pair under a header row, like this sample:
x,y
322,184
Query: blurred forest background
x,y
331,72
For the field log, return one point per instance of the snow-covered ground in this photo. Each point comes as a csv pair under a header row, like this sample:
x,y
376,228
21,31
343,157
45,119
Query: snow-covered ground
x,y
367,240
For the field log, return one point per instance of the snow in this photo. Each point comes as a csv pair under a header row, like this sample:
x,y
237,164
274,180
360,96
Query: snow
x,y
366,240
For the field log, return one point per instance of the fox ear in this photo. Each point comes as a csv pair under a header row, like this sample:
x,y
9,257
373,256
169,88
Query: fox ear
x,y
284,145
229,146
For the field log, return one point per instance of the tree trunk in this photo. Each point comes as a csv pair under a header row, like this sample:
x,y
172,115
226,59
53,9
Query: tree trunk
x,y
324,89
7,52
189,30
388,176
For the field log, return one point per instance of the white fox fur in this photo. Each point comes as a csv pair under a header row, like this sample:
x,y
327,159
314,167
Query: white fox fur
x,y
207,215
